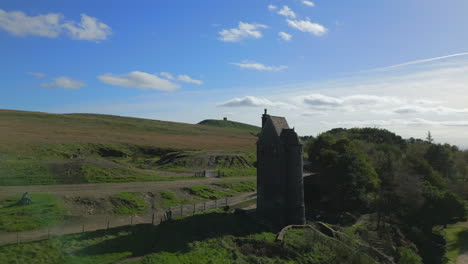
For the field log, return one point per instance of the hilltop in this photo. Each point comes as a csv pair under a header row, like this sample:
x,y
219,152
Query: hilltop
x,y
232,125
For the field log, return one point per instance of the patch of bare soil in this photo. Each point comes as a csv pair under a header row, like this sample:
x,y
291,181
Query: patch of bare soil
x,y
462,259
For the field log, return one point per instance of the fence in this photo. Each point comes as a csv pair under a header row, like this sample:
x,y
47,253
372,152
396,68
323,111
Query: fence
x,y
71,226
209,174
182,210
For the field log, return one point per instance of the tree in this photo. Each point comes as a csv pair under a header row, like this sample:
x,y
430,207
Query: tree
x,y
347,180
429,137
441,158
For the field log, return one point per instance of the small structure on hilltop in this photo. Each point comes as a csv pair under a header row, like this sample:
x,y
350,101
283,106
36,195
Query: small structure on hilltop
x,y
280,188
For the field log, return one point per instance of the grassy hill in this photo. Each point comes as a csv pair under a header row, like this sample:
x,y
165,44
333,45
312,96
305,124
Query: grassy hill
x,y
42,148
20,127
231,125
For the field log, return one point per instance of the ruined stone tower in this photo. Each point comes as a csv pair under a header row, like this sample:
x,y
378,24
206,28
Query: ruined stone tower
x,y
280,188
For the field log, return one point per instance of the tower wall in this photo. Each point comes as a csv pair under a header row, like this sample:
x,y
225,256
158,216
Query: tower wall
x,y
295,185
280,192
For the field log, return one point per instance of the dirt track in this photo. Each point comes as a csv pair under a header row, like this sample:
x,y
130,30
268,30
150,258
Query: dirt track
x,y
77,222
463,259
105,189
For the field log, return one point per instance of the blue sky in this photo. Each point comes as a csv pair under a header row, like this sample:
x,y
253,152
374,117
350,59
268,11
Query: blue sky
x,y
322,64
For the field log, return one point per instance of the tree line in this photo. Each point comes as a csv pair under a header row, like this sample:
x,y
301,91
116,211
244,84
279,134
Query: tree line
x,y
410,183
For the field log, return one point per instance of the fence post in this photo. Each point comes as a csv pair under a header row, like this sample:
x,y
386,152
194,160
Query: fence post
x,y
152,219
226,201
108,223
194,208
204,206
216,204
82,230
181,210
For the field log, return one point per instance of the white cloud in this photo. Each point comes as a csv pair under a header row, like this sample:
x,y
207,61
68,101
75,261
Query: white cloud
x,y
441,110
37,74
258,66
403,122
308,3
65,83
50,25
271,7
287,12
90,28
139,80
167,75
244,30
285,36
320,100
307,26
17,23
252,101
314,113
187,79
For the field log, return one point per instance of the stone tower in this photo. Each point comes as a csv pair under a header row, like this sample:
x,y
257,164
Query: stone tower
x,y
280,188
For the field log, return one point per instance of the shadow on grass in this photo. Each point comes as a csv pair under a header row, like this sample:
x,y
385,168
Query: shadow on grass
x,y
173,236
462,241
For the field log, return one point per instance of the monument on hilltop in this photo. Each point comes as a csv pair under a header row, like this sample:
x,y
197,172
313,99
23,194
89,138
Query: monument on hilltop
x,y
280,188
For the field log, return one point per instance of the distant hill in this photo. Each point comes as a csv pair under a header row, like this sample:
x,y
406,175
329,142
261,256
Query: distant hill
x,y
232,125
42,148
32,128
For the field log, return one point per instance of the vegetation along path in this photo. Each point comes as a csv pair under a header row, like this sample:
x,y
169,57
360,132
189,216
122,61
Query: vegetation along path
x,y
97,222
103,189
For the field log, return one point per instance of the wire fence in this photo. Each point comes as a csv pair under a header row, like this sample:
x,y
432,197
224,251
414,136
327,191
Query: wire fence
x,y
71,226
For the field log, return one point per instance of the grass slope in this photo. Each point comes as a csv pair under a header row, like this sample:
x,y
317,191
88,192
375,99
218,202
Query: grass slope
x,y
456,236
231,124
46,210
40,148
212,237
21,128
128,203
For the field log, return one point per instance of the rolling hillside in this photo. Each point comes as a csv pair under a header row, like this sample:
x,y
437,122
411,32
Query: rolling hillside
x,y
42,148
20,127
231,125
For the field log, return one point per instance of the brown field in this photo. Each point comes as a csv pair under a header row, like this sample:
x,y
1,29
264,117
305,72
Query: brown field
x,y
20,128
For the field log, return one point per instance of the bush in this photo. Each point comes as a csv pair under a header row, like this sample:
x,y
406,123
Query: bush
x,y
407,256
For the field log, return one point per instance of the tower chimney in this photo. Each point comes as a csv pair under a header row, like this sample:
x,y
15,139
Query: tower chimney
x,y
264,117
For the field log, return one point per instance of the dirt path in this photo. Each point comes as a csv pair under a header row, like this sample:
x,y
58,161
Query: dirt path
x,y
105,189
77,224
463,258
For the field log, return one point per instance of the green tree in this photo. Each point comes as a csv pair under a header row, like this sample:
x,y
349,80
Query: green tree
x,y
347,180
441,158
429,137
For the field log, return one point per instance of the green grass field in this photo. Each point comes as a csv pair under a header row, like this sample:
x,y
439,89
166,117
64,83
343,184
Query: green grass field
x,y
169,199
231,124
40,148
46,210
206,192
210,237
238,186
224,189
456,236
128,203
